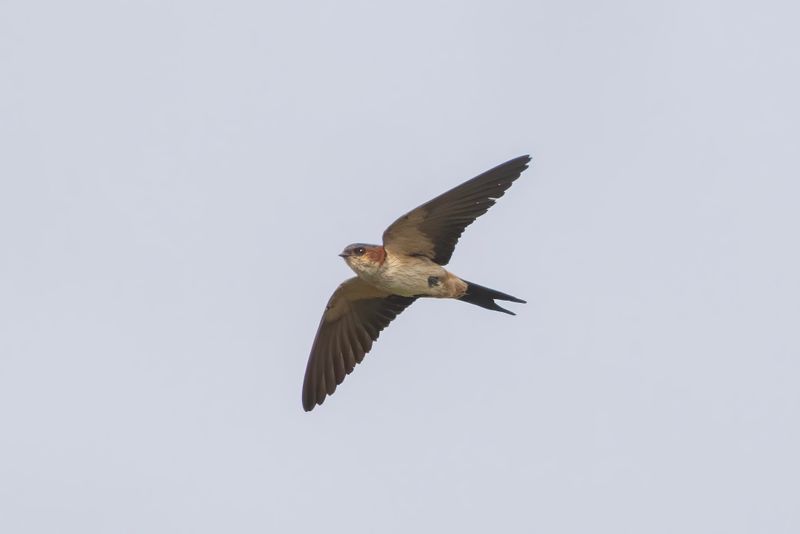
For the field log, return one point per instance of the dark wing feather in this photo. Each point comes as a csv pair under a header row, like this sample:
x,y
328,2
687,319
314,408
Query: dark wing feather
x,y
353,320
433,229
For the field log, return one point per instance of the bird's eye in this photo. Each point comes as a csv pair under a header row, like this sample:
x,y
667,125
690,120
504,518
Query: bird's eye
x,y
359,251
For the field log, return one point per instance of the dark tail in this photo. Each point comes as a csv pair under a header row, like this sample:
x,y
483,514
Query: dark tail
x,y
484,297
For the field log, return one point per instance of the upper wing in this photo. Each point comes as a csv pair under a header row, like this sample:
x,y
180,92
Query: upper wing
x,y
353,319
433,229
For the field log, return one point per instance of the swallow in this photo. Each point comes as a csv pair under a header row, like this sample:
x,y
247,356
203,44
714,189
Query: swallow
x,y
390,277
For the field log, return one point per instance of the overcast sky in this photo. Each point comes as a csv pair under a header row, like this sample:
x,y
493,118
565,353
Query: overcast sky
x,y
177,178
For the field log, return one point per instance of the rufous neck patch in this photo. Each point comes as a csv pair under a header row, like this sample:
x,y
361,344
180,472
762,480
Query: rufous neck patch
x,y
376,255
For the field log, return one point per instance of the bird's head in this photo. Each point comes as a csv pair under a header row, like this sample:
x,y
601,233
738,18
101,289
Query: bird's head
x,y
363,258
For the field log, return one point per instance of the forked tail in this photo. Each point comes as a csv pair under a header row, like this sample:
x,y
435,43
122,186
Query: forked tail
x,y
484,297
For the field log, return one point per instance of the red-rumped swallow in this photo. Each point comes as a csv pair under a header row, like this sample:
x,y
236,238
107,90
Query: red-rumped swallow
x,y
390,277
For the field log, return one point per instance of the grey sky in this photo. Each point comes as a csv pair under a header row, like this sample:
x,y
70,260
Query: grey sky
x,y
176,179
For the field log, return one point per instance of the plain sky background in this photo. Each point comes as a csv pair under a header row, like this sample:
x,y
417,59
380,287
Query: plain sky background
x,y
176,179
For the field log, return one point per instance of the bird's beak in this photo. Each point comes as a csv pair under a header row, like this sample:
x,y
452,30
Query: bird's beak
x,y
343,255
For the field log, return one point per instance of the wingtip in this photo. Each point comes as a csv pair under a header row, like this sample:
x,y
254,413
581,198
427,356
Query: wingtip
x,y
310,401
308,406
520,163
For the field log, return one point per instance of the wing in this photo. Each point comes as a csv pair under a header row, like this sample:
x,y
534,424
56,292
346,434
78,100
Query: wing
x,y
433,229
353,320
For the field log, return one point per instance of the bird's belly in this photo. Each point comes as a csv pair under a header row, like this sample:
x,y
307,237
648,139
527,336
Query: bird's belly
x,y
410,278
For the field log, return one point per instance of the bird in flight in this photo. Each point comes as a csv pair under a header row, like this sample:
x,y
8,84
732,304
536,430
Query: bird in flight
x,y
408,266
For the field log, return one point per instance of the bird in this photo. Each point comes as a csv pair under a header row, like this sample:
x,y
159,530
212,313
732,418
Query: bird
x,y
390,277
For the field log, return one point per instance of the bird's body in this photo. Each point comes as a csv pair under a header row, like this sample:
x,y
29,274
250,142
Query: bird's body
x,y
407,276
390,277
